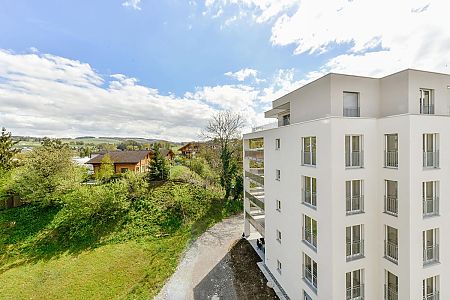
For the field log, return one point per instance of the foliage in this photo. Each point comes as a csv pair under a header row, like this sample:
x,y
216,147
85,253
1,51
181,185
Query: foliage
x,y
106,170
200,166
7,150
158,167
47,174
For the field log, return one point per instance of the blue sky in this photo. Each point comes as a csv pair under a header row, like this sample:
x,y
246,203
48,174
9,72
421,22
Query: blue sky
x,y
71,68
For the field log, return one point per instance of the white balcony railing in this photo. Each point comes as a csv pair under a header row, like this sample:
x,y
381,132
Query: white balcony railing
x,y
355,293
351,112
310,237
390,292
391,251
431,159
308,158
354,159
309,277
431,254
391,159
391,205
430,206
309,198
427,109
354,204
432,296
355,250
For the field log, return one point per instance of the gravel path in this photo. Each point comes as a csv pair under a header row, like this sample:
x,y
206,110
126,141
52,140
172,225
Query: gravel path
x,y
215,266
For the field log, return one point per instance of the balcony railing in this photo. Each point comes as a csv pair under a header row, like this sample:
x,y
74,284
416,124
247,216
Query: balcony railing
x,y
391,159
430,206
309,198
431,254
354,159
257,171
390,292
309,277
355,250
391,205
391,251
308,158
310,237
258,200
355,292
354,204
427,109
432,296
431,159
256,154
351,112
258,224
256,178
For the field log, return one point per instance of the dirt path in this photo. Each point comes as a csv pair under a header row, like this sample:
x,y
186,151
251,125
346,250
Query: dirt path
x,y
218,265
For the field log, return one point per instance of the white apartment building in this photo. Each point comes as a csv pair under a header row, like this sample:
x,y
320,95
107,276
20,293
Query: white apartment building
x,y
351,191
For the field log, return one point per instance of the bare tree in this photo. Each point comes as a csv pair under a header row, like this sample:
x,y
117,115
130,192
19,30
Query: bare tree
x,y
223,129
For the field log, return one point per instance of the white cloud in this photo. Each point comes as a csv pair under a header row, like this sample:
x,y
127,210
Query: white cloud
x,y
135,4
242,74
43,94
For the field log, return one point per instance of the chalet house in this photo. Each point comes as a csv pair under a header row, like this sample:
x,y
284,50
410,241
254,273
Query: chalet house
x,y
189,150
167,153
124,161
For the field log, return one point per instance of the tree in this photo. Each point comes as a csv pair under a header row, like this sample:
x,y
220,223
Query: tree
x,y
158,168
106,170
7,150
224,130
47,174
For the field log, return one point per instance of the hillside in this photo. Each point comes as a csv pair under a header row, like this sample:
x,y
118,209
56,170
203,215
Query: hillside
x,y
115,241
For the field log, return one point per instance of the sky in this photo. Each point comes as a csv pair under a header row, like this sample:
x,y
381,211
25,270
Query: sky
x,y
161,68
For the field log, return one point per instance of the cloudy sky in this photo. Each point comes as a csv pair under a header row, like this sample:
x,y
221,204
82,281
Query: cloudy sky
x,y
159,69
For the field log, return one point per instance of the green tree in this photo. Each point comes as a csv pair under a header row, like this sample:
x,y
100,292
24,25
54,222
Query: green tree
x,y
224,131
7,150
158,168
106,170
47,174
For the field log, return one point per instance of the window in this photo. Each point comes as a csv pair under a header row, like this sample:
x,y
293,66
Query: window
x,y
309,151
354,236
278,266
390,286
430,150
277,144
354,284
354,151
310,271
123,170
286,120
310,191
391,197
277,175
430,288
391,244
430,198
426,102
354,203
278,205
351,104
310,231
430,246
279,236
391,150
306,296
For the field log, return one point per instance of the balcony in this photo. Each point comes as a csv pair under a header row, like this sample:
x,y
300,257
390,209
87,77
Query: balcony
x,y
258,179
310,238
256,154
256,197
431,159
432,296
354,250
309,198
391,205
391,159
431,254
354,204
257,221
427,109
430,206
391,251
308,158
390,292
351,112
310,278
354,159
355,292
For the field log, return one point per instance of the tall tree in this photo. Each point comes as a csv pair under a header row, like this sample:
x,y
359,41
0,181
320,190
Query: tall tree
x,y
7,150
106,170
224,129
158,168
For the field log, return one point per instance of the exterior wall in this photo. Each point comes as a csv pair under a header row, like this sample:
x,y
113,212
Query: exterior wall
x,y
394,94
130,167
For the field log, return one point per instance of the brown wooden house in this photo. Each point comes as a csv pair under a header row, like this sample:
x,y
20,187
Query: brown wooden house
x,y
124,161
167,153
189,150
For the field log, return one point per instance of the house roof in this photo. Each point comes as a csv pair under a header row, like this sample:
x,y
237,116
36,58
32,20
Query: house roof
x,y
122,156
165,152
188,145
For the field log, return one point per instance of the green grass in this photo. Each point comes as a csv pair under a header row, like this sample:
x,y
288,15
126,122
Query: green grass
x,y
130,258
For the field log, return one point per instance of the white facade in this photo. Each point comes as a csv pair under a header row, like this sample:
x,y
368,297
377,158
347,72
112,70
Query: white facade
x,y
381,216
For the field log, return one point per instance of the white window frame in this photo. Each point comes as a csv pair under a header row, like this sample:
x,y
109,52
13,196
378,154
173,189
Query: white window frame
x,y
358,108
430,291
390,155
435,150
349,155
278,236
354,287
308,225
349,187
312,282
434,186
277,144
278,205
388,206
430,103
311,183
387,241
353,243
278,175
309,142
279,266
435,244
389,286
